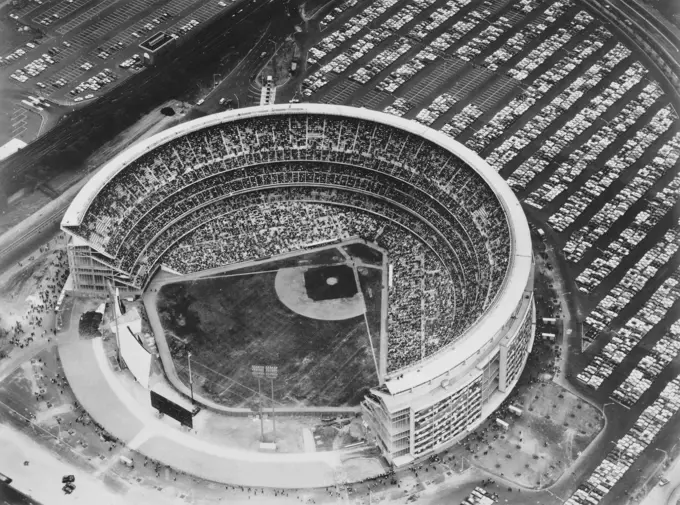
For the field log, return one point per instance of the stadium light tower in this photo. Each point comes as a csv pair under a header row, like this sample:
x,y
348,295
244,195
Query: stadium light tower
x,y
191,380
271,372
258,373
114,300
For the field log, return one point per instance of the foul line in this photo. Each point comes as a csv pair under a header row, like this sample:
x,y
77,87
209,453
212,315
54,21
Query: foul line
x,y
368,330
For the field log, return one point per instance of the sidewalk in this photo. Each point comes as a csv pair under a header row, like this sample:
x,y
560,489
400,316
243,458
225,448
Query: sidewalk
x,y
100,392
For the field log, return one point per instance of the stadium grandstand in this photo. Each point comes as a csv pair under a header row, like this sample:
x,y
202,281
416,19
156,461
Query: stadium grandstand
x,y
259,182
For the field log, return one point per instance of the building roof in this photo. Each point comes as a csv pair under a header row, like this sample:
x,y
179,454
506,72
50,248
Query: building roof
x,y
156,41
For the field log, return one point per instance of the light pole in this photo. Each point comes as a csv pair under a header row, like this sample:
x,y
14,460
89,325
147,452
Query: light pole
x,y
238,105
191,380
258,372
271,372
115,316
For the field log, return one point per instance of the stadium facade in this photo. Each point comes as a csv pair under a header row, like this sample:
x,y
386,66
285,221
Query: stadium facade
x,y
461,318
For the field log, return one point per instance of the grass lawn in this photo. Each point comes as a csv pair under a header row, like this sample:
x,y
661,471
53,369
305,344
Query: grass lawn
x,y
234,321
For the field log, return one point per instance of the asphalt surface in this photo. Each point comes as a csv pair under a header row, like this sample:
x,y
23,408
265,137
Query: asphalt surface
x,y
79,134
100,393
10,496
620,418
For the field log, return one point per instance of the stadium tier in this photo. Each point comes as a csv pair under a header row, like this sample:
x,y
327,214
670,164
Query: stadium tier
x,y
258,182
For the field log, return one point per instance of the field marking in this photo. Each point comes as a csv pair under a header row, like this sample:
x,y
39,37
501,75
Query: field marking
x,y
368,330
329,355
220,276
226,388
206,379
228,378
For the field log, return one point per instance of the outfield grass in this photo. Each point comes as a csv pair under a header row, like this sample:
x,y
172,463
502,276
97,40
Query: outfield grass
x,y
230,323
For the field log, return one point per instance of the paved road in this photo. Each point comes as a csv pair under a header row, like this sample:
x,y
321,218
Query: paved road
x,y
65,147
101,394
10,496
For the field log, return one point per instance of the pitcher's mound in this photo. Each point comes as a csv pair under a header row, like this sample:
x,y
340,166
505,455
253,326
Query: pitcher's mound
x,y
291,290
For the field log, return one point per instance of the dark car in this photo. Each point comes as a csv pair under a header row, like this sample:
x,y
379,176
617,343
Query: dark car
x,y
67,478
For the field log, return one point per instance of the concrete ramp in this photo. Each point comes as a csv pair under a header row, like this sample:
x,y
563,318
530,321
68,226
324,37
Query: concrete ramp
x,y
130,418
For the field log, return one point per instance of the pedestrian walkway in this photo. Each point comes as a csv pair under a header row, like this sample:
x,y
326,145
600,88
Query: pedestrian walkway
x,y
126,414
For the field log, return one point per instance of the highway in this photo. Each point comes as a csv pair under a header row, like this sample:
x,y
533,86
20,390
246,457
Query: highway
x,y
644,16
642,24
225,41
245,63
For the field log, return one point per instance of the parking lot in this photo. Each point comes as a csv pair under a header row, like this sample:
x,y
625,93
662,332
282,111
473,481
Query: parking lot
x,y
89,47
583,128
575,118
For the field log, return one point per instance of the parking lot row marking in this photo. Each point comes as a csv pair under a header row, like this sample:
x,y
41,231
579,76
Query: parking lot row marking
x,y
441,74
83,17
62,9
489,98
374,99
341,92
123,13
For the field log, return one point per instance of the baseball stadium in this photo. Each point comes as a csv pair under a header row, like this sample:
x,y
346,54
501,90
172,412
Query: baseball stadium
x,y
377,263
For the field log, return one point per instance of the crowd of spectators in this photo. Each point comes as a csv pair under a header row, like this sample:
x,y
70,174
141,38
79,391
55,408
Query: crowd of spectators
x,y
36,324
235,191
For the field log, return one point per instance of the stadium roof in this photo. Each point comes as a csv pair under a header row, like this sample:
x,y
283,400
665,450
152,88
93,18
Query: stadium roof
x,y
478,336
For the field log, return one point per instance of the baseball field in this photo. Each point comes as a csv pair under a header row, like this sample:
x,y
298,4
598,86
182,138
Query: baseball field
x,y
232,321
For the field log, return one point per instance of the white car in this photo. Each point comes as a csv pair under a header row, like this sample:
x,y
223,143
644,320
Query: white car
x,y
201,101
